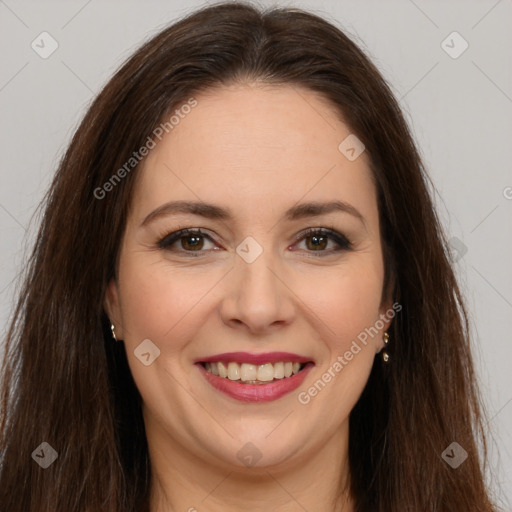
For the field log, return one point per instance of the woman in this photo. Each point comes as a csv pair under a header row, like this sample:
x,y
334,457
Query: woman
x,y
240,297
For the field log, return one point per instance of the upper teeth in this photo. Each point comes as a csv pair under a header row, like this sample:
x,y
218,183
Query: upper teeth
x,y
253,372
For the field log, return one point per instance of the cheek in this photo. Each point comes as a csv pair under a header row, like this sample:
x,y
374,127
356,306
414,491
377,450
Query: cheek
x,y
347,306
348,302
165,305
160,302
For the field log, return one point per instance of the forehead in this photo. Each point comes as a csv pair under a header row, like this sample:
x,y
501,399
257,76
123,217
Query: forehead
x,y
254,145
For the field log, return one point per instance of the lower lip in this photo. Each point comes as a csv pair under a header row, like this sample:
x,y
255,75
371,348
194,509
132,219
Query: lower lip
x,y
256,392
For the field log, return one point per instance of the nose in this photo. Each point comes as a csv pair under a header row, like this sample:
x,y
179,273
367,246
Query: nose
x,y
258,296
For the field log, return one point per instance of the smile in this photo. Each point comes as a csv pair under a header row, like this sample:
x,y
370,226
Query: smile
x,y
255,377
252,373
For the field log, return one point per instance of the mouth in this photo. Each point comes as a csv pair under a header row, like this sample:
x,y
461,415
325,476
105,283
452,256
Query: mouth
x,y
255,378
255,374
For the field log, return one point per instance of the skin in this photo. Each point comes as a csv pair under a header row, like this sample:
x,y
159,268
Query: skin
x,y
256,150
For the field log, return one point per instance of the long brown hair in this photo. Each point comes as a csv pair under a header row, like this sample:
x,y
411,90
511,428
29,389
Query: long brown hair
x,y
66,383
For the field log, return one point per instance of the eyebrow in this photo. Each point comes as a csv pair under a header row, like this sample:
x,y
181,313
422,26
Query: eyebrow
x,y
211,211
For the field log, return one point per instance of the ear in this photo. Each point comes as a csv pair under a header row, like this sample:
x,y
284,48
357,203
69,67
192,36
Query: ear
x,y
388,310
113,308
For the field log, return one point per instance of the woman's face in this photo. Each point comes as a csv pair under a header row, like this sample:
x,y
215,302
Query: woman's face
x,y
254,287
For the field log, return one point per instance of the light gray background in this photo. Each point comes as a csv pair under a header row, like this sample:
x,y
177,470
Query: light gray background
x,y
460,110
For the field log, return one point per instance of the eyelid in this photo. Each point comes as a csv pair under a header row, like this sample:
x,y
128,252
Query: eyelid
x,y
320,229
339,238
174,236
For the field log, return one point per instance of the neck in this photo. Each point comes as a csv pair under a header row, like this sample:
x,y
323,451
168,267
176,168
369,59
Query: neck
x,y
181,481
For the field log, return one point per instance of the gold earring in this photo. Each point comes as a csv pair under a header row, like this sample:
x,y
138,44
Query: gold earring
x,y
385,355
113,332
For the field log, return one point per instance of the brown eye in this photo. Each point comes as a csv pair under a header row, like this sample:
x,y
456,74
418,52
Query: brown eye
x,y
192,240
317,240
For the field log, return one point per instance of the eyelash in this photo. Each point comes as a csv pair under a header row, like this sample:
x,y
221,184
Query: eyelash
x,y
342,241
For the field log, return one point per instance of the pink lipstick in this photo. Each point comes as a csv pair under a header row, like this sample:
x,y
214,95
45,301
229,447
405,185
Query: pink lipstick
x,y
273,369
